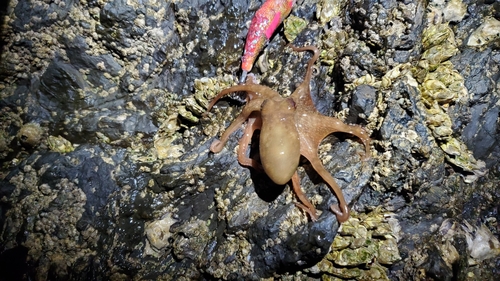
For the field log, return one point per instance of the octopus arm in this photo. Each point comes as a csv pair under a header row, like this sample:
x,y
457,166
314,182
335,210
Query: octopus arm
x,y
304,204
314,128
252,106
254,91
254,123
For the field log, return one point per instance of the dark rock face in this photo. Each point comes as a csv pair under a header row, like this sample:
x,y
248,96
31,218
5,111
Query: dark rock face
x,y
480,127
134,192
36,15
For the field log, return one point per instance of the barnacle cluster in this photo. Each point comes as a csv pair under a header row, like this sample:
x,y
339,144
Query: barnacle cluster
x,y
232,257
51,234
335,35
365,243
293,27
326,10
190,239
441,85
205,89
334,40
167,141
383,83
168,132
446,11
449,242
8,119
485,33
158,235
59,144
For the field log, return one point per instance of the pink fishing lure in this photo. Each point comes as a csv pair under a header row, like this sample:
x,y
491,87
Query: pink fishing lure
x,y
267,18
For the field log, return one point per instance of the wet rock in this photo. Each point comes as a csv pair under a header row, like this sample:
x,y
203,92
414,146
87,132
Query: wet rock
x,y
302,250
13,263
36,15
61,87
404,116
98,66
436,268
363,101
479,125
141,196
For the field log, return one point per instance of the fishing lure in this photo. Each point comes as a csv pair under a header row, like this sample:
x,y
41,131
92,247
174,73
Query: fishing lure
x,y
267,18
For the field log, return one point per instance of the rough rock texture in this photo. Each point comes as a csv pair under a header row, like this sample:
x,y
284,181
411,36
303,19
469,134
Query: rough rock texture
x,y
104,148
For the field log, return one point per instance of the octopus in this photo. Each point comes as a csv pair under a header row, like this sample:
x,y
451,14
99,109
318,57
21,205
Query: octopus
x,y
289,127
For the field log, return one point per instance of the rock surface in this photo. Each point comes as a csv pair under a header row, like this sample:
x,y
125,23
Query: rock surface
x,y
106,171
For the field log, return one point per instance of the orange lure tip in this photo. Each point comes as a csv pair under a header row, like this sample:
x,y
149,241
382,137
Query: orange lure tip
x,y
266,20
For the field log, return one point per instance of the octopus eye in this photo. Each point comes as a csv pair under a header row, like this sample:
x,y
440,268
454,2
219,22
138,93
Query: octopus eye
x,y
263,104
292,103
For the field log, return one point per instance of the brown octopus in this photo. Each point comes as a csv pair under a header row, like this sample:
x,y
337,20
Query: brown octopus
x,y
289,127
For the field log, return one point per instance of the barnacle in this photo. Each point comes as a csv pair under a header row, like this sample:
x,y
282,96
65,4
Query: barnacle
x,y
30,134
365,241
486,33
158,235
328,9
293,27
59,144
333,41
440,85
386,80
